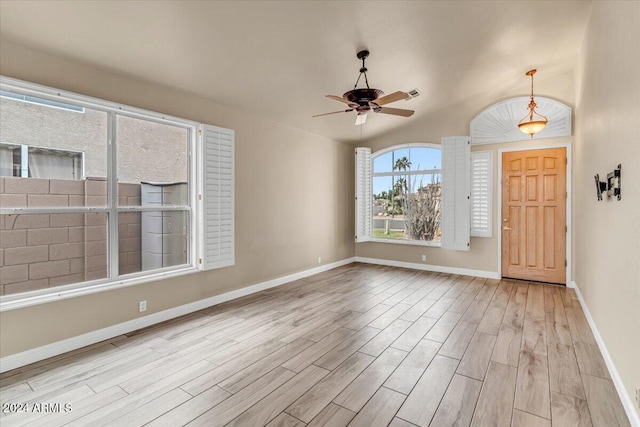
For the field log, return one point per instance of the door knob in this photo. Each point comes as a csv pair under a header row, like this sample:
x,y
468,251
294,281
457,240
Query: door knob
x,y
507,228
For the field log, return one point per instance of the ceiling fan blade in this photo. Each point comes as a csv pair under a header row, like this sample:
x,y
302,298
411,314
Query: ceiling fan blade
x,y
392,97
361,119
335,112
395,111
341,99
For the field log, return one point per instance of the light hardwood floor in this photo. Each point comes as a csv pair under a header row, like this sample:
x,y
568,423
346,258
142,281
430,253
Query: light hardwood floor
x,y
359,345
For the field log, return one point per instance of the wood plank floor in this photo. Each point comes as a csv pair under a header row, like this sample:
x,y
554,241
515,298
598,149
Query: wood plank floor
x,y
358,345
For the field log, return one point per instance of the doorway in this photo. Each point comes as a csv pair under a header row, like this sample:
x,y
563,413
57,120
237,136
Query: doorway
x,y
534,221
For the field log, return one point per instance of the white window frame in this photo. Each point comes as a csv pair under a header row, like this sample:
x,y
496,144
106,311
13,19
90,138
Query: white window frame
x,y
43,102
420,172
26,299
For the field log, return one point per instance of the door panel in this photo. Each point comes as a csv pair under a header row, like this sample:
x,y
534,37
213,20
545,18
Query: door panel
x,y
533,210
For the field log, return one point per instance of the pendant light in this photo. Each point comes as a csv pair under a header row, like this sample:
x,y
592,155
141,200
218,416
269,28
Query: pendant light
x,y
533,122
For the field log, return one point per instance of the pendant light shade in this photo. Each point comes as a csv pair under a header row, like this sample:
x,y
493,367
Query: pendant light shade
x,y
533,122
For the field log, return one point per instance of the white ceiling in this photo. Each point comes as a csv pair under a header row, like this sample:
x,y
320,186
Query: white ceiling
x,y
279,59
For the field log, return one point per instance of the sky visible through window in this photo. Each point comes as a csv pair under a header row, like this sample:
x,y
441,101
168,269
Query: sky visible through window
x,y
421,158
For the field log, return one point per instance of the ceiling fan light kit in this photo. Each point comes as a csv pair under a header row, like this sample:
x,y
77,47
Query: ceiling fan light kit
x,y
533,122
361,119
364,100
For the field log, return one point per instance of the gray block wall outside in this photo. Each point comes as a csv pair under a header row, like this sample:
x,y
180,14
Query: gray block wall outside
x,y
164,237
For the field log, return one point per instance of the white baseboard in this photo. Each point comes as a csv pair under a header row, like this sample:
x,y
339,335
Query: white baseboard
x,y
427,267
14,361
627,401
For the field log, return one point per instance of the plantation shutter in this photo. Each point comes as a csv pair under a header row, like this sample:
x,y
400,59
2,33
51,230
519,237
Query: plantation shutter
x,y
217,204
481,194
363,194
455,193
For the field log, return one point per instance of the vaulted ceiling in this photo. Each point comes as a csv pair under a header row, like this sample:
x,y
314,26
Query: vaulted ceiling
x,y
279,59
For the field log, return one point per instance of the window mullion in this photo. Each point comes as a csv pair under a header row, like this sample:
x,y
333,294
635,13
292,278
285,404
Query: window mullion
x,y
155,208
407,203
418,172
112,195
24,161
53,210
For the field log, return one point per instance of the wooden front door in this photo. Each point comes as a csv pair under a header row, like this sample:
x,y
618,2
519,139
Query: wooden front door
x,y
534,215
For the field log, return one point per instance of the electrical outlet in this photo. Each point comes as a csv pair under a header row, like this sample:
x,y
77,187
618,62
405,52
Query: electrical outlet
x,y
319,260
142,306
424,257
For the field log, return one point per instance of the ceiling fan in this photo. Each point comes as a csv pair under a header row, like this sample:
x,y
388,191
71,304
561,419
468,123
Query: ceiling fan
x,y
368,99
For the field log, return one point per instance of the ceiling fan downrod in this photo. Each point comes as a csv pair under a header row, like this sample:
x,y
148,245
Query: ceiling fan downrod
x,y
363,54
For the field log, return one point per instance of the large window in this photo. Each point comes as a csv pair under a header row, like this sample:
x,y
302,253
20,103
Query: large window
x,y
407,193
418,194
94,194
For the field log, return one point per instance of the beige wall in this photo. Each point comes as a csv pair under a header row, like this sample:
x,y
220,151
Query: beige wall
x,y
294,202
608,232
483,253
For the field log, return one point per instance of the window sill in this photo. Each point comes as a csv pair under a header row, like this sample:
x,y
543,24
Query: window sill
x,y
28,299
407,242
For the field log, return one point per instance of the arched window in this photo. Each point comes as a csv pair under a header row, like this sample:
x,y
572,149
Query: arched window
x,y
406,202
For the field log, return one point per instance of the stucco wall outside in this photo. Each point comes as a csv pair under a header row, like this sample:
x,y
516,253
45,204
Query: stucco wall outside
x,y
147,151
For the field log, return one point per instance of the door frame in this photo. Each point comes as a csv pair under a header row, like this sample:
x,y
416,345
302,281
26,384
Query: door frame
x,y
567,146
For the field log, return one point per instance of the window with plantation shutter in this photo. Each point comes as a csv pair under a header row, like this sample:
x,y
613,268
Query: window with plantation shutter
x,y
217,204
455,193
481,194
363,194
126,194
